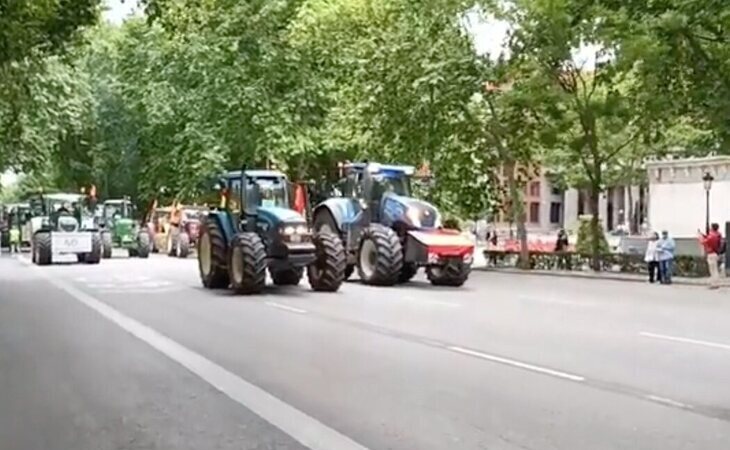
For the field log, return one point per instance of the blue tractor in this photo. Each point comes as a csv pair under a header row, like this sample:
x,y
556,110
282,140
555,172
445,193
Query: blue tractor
x,y
388,235
255,228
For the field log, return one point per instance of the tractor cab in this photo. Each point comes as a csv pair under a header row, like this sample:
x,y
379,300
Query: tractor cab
x,y
256,227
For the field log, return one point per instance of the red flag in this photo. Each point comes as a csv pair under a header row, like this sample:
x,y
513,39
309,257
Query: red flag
x,y
300,201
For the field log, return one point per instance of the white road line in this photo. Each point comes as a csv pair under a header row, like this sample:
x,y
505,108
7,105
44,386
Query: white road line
x,y
287,308
305,429
668,401
521,365
686,340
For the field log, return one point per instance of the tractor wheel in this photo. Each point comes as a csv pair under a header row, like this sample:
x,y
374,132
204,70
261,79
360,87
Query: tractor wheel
x,y
349,270
106,242
143,244
327,272
247,264
380,258
212,256
452,274
408,271
182,249
171,243
288,277
94,256
42,249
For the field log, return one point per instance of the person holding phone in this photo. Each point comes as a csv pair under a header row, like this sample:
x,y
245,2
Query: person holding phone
x,y
712,243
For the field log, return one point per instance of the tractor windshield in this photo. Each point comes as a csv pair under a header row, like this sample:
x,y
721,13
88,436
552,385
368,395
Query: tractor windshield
x,y
271,192
395,182
117,210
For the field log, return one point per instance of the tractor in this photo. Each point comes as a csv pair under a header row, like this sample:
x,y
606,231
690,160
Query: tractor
x,y
119,229
254,229
60,225
184,229
388,235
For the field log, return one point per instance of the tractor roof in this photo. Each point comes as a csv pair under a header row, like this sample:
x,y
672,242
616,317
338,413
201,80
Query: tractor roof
x,y
64,197
380,168
117,201
17,205
257,174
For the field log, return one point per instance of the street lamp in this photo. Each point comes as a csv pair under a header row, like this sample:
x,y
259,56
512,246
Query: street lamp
x,y
707,182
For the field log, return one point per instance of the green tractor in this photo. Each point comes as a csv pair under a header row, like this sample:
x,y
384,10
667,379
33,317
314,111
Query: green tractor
x,y
120,230
255,228
61,224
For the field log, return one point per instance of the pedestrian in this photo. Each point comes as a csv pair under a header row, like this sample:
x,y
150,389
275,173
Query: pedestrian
x,y
651,258
712,243
665,255
14,240
561,247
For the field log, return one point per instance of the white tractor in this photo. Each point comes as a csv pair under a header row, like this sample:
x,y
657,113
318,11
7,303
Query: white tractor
x,y
60,227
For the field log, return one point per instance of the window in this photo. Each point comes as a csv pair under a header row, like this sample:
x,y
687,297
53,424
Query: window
x,y
535,189
555,208
534,212
556,191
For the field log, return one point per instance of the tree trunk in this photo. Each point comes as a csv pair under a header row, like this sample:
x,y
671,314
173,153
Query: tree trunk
x,y
630,211
594,197
517,212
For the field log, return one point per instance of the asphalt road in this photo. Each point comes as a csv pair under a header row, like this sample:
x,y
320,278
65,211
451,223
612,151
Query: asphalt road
x,y
134,354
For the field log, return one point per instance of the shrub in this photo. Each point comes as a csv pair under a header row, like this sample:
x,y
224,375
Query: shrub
x,y
585,237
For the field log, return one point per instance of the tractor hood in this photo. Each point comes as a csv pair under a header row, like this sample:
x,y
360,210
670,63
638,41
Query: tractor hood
x,y
275,215
414,212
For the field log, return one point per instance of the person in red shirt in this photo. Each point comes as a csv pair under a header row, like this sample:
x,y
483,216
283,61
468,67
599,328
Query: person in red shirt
x,y
711,242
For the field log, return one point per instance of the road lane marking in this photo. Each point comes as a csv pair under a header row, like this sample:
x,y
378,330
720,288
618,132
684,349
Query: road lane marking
x,y
668,401
305,429
519,364
686,340
287,308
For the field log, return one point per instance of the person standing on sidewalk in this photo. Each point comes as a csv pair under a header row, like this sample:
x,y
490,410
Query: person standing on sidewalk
x,y
651,258
712,244
665,255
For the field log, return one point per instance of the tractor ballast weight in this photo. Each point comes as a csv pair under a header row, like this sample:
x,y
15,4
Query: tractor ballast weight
x,y
120,230
255,229
389,235
61,225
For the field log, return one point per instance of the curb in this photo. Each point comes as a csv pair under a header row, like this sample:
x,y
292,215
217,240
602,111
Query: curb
x,y
594,276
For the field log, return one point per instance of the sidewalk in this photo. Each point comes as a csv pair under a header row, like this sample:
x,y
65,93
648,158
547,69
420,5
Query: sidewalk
x,y
614,276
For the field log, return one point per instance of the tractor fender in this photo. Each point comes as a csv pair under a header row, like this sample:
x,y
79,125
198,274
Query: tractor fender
x,y
342,210
225,223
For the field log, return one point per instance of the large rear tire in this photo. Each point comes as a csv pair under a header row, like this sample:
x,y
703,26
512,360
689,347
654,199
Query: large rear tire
x,y
380,256
42,249
107,244
212,255
143,244
247,264
327,272
94,257
452,274
288,277
183,245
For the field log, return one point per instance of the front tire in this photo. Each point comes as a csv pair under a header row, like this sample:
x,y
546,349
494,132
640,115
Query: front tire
x,y
143,245
247,264
288,277
94,257
212,256
183,245
380,257
327,272
107,244
42,249
452,274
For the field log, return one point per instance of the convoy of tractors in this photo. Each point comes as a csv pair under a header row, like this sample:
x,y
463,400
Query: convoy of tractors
x,y
367,222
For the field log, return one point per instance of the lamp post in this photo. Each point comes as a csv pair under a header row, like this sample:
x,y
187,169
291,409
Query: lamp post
x,y
707,182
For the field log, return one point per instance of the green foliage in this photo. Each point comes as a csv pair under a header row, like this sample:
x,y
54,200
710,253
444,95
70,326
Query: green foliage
x,y
587,237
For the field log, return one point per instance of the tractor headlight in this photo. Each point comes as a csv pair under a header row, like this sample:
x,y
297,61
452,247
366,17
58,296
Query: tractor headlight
x,y
289,230
301,229
414,216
